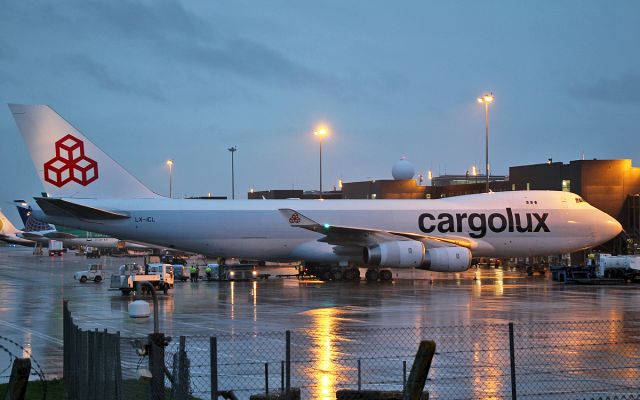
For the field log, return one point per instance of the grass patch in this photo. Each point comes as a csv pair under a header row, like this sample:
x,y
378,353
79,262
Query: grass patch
x,y
131,389
35,390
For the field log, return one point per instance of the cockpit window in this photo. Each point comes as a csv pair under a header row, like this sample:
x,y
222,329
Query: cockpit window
x,y
579,200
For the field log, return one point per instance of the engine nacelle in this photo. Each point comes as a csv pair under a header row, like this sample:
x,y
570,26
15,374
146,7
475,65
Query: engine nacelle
x,y
447,259
411,253
401,254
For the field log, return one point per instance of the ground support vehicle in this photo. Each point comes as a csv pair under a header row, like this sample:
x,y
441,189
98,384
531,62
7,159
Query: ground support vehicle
x,y
234,272
93,273
92,252
56,248
158,274
181,272
618,267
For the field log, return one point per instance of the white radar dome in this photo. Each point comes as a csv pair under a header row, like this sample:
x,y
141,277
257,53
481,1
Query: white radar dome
x,y
402,169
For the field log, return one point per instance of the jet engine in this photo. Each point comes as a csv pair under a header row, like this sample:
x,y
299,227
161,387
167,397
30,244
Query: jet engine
x,y
411,253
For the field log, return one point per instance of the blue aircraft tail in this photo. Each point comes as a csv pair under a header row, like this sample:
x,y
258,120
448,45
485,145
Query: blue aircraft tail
x,y
31,224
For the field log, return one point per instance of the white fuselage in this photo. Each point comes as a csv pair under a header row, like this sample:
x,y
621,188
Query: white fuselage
x,y
516,224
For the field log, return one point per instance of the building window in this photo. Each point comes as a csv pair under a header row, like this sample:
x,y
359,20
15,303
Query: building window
x,y
528,185
566,185
513,186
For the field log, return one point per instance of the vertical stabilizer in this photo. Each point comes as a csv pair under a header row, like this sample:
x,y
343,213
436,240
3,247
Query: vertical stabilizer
x,y
6,227
68,164
31,224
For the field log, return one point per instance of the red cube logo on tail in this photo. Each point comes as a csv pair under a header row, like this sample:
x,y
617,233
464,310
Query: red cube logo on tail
x,y
70,164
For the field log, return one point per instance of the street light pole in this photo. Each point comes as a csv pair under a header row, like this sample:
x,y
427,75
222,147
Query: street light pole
x,y
321,133
170,164
233,186
486,99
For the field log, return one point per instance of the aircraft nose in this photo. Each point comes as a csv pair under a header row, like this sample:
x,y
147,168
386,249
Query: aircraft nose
x,y
608,228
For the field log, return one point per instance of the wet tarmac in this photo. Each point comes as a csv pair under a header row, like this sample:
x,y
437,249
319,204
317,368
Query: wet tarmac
x,y
32,289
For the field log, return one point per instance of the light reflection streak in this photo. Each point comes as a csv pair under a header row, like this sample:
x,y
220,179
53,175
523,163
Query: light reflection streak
x,y
254,293
324,369
233,300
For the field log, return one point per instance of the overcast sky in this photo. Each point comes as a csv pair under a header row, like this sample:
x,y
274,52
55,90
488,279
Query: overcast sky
x,y
153,80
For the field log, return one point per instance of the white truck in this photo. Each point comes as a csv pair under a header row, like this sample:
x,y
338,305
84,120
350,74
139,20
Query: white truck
x,y
93,273
56,248
158,274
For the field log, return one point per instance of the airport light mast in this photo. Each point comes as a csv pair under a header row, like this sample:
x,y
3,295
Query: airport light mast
x,y
486,99
233,184
170,164
321,133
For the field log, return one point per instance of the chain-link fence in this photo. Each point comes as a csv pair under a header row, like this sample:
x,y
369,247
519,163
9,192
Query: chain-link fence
x,y
576,360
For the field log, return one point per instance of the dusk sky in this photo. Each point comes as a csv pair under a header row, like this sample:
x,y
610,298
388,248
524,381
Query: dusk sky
x,y
153,80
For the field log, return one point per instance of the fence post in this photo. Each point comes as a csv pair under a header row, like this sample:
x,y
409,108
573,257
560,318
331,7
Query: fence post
x,y
66,349
181,371
512,357
266,379
281,376
359,376
156,365
98,345
404,377
288,364
213,362
118,368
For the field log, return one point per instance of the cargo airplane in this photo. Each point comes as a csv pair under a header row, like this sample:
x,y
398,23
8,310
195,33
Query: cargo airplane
x,y
91,191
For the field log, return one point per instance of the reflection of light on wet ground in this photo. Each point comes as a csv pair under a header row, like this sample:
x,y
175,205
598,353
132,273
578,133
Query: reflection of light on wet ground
x,y
499,282
254,294
232,291
323,333
487,370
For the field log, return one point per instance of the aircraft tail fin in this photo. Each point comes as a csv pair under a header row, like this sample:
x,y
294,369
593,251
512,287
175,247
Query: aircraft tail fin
x,y
6,227
69,164
31,223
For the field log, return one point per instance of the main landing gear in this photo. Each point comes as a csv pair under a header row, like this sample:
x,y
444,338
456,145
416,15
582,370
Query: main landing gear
x,y
374,274
339,274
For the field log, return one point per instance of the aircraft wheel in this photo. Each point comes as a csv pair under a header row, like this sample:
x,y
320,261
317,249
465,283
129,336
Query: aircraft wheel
x,y
97,279
386,275
371,275
325,276
336,275
351,274
83,279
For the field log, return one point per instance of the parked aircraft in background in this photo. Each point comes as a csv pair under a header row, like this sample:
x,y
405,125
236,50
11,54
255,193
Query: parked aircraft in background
x,y
42,232
9,233
91,191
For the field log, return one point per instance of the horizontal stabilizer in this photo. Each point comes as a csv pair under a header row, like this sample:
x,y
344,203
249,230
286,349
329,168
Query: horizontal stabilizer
x,y
65,208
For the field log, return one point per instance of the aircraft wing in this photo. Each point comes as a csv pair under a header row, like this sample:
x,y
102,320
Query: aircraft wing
x,y
30,235
353,236
60,235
